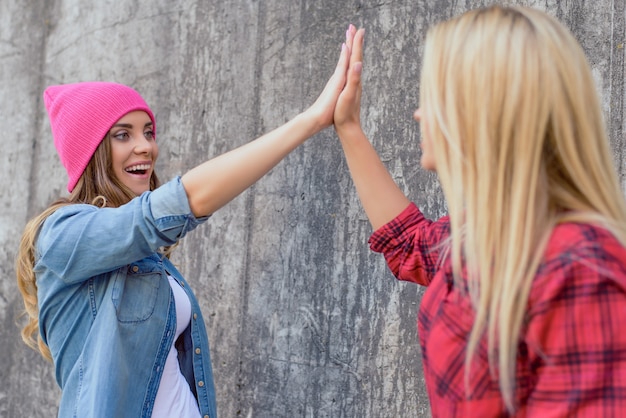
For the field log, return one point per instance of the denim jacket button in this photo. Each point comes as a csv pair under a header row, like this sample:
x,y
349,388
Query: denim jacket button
x,y
201,383
135,269
197,351
195,316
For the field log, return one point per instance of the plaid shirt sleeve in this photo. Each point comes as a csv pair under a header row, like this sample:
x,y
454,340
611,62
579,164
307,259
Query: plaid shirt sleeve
x,y
412,245
575,331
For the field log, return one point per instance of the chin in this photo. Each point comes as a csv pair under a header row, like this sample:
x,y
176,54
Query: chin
x,y
139,192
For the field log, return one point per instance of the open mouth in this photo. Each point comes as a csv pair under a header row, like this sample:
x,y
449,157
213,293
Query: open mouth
x,y
139,169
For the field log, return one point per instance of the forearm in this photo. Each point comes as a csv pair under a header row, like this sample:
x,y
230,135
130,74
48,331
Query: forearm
x,y
216,182
380,196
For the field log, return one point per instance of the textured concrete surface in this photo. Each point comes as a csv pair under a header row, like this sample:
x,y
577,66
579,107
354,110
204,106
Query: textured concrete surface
x,y
304,320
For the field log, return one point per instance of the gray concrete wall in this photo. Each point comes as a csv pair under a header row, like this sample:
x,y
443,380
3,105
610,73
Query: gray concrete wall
x,y
304,320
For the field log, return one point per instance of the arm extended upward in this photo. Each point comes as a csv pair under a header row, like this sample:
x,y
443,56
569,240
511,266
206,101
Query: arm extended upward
x,y
380,196
212,184
216,182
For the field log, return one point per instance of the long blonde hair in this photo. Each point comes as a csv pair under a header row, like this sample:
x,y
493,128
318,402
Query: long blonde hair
x,y
520,146
97,186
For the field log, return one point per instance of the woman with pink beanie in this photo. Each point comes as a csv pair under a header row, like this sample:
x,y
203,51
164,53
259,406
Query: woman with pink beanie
x,y
119,322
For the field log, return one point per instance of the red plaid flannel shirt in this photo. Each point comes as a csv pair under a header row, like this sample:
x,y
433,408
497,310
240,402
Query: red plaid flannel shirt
x,y
571,357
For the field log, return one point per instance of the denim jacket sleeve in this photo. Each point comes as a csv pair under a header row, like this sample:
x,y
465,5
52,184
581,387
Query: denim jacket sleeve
x,y
81,241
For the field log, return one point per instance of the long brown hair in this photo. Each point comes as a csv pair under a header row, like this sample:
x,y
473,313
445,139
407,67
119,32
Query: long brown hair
x,y
97,186
520,146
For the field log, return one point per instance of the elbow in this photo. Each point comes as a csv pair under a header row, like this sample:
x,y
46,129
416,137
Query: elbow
x,y
196,197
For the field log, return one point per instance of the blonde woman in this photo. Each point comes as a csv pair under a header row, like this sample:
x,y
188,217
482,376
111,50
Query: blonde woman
x,y
526,276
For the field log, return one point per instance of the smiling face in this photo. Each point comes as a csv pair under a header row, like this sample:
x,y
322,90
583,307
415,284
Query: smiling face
x,y
134,150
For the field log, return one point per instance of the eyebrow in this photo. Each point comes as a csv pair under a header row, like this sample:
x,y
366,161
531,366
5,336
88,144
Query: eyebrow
x,y
130,125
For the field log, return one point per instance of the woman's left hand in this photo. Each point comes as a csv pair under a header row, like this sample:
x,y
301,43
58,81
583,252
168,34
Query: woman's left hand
x,y
212,184
324,107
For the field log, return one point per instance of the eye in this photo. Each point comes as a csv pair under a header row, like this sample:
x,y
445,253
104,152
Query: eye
x,y
149,134
121,136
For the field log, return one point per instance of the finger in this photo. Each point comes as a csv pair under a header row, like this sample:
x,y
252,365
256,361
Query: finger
x,y
354,74
356,62
350,35
346,50
356,50
344,59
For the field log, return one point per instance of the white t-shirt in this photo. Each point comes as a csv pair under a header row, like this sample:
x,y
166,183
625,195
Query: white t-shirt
x,y
174,397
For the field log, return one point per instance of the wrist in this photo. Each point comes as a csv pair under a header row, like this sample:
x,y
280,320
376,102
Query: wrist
x,y
307,124
311,122
349,131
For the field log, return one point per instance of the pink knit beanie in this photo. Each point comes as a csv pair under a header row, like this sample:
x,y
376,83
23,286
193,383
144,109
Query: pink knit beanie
x,y
81,114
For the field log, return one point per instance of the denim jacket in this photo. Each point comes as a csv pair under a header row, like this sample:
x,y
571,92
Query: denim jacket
x,y
106,309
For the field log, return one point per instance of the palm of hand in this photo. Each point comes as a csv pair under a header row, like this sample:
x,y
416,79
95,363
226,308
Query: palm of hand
x,y
348,107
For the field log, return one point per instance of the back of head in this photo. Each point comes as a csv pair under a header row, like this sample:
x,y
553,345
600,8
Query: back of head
x,y
511,101
520,145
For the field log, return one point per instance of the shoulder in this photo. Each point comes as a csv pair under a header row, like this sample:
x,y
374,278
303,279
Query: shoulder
x,y
592,245
72,209
70,216
580,261
67,212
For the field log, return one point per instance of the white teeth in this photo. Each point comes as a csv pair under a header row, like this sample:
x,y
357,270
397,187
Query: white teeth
x,y
139,167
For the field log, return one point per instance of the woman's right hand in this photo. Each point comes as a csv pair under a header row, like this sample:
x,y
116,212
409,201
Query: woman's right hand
x,y
348,107
381,197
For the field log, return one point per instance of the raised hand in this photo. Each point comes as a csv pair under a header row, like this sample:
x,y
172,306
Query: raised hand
x,y
381,197
324,107
216,182
348,107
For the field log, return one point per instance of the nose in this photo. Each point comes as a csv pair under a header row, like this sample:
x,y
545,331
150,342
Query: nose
x,y
417,115
142,144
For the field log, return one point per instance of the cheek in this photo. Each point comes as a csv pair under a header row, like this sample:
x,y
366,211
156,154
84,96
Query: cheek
x,y
117,156
428,158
